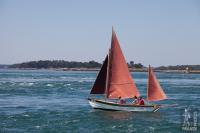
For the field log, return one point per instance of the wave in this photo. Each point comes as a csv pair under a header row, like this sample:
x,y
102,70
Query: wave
x,y
26,84
49,85
67,84
26,115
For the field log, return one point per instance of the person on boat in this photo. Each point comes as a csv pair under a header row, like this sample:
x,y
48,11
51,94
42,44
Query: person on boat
x,y
141,101
121,101
135,100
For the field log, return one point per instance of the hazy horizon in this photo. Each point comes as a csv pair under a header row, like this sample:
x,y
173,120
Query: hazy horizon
x,y
149,32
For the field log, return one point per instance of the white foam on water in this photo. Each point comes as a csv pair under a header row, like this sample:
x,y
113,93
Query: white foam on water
x,y
37,127
30,84
13,83
22,84
71,88
113,127
131,128
49,85
66,122
3,82
25,83
63,77
26,115
75,120
151,128
78,79
10,116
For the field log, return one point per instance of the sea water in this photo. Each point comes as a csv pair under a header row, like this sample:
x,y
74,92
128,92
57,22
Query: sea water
x,y
47,101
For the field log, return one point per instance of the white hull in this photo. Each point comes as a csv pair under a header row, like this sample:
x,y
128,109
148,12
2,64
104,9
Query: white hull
x,y
99,104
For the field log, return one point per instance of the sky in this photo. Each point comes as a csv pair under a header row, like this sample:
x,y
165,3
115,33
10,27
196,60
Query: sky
x,y
152,32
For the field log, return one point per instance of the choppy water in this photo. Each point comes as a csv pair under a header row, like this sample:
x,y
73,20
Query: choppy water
x,y
56,101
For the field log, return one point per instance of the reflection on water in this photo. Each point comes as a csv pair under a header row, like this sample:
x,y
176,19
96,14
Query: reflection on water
x,y
123,115
113,115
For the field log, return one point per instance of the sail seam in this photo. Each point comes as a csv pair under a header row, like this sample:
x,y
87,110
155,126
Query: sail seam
x,y
119,83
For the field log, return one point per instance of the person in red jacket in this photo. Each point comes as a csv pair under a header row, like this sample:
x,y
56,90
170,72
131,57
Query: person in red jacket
x,y
141,101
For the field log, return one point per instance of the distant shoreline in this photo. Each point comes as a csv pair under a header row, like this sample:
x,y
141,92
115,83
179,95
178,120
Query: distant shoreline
x,y
97,69
62,65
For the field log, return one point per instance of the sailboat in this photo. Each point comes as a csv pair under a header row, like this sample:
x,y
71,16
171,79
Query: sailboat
x,y
114,80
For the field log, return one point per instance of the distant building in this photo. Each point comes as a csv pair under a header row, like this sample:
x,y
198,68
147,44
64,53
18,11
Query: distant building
x,y
187,70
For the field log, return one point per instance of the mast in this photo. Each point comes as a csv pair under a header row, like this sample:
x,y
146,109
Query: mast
x,y
107,73
148,81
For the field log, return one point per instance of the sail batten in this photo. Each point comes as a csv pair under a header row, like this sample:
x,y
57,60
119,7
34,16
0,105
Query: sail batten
x,y
154,90
120,83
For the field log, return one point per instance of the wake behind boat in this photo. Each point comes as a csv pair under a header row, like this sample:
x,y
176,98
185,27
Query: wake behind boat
x,y
114,81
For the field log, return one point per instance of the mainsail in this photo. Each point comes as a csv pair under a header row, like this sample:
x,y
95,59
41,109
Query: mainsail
x,y
154,90
120,83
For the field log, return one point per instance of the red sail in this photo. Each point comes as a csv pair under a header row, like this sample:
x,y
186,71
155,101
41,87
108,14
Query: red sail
x,y
154,90
99,86
120,83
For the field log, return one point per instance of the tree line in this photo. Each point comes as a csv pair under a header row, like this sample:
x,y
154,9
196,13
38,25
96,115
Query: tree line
x,y
65,64
179,67
56,64
91,64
